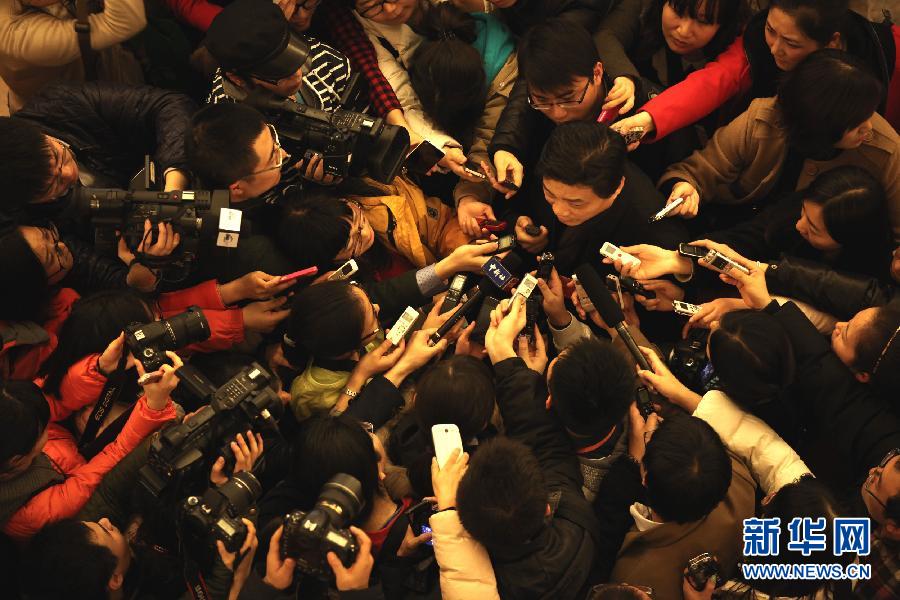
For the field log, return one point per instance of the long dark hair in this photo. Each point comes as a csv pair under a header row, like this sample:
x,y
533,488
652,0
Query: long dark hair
x,y
731,15
94,322
447,73
28,292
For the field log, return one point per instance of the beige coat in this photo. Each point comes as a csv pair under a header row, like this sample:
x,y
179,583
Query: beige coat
x,y
743,159
40,46
466,571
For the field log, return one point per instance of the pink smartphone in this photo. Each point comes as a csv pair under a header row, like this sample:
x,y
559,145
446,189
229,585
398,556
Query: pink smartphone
x,y
298,274
608,116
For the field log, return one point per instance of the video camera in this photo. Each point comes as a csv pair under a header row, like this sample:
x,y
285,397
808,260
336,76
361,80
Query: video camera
x,y
351,143
148,342
191,212
184,452
217,514
309,536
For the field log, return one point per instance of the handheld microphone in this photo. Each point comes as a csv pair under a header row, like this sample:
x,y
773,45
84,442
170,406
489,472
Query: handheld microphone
x,y
611,313
485,287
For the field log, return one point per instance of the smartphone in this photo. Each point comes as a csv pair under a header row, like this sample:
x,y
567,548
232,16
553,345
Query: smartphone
x,y
692,251
644,401
509,183
616,287
583,298
299,274
423,157
700,569
403,325
721,263
685,308
454,293
526,286
483,320
445,437
491,225
666,210
418,517
507,242
613,252
345,271
473,168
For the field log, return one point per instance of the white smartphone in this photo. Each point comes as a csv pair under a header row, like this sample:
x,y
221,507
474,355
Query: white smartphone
x,y
445,437
613,252
685,308
347,269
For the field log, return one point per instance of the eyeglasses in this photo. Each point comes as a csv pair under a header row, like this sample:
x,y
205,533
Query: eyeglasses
x,y
365,343
544,106
279,154
357,225
884,461
372,9
57,249
61,159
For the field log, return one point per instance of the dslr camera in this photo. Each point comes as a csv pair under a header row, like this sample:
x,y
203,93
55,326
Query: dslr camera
x,y
148,342
309,536
688,359
191,212
216,516
182,453
350,143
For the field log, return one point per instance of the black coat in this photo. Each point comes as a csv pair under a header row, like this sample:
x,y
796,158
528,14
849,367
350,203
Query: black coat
x,y
111,126
559,562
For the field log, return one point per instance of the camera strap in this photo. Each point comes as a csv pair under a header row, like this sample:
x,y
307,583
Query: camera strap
x,y
110,394
194,579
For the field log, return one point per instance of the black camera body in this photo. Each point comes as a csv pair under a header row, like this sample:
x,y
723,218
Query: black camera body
x,y
189,211
350,143
184,452
216,516
688,358
700,569
148,342
309,536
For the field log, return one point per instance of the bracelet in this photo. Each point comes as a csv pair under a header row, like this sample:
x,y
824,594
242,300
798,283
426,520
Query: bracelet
x,y
350,393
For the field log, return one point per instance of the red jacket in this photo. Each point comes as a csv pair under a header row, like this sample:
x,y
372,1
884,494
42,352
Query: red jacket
x,y
226,325
80,387
24,363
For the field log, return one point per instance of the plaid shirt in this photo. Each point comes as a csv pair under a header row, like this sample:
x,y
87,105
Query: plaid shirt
x,y
348,35
885,581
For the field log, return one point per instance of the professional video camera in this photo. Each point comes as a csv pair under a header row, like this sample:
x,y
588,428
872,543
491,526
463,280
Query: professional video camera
x,y
309,537
184,452
148,342
217,514
351,143
191,212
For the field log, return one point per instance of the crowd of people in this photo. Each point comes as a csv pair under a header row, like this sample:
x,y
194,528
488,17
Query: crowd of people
x,y
460,299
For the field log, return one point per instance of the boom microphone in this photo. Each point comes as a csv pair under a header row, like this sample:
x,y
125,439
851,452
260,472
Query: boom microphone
x,y
611,313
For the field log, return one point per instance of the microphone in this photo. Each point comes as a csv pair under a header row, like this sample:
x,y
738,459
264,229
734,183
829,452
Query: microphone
x,y
485,287
611,313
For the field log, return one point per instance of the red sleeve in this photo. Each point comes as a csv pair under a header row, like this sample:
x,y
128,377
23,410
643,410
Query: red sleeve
x,y
81,386
226,329
66,499
205,295
349,37
701,92
199,14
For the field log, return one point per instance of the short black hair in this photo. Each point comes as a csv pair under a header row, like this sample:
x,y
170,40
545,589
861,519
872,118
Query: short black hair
x,y
25,416
25,163
824,97
729,15
584,153
553,53
458,390
326,321
220,146
592,386
688,469
20,269
878,350
314,226
818,19
502,498
63,561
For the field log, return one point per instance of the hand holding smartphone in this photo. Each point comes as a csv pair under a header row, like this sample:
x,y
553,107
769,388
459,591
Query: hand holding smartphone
x,y
445,438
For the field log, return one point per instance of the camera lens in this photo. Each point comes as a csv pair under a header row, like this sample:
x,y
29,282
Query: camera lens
x,y
343,495
185,329
241,492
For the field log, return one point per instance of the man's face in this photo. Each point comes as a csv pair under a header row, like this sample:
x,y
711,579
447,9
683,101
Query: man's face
x,y
108,535
575,204
266,174
882,484
579,101
63,171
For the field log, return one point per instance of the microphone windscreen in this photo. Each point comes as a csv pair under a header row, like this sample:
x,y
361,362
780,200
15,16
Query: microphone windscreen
x,y
596,290
512,263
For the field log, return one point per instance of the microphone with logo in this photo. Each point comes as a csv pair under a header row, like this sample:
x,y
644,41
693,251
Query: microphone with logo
x,y
498,275
612,315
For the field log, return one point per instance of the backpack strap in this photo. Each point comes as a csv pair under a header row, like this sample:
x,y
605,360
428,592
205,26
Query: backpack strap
x,y
83,29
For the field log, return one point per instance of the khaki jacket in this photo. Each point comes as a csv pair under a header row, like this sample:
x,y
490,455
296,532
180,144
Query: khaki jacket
x,y
742,161
420,228
466,570
657,557
38,47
